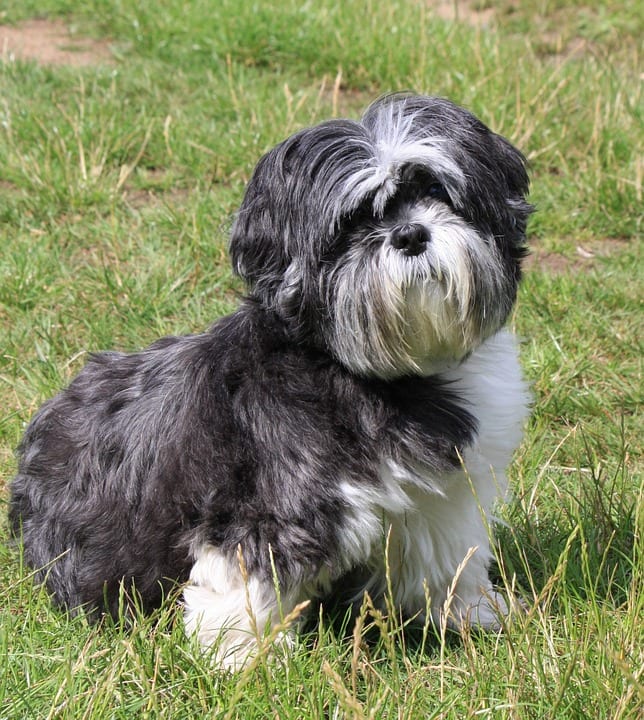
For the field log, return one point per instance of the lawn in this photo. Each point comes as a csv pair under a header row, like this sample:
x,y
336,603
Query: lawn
x,y
123,156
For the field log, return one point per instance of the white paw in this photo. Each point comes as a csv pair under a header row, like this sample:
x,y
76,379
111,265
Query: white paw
x,y
489,611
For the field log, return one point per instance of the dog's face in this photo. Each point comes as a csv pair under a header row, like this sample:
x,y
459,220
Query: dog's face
x,y
394,242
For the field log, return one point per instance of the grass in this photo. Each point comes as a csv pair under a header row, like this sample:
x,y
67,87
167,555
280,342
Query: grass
x,y
117,186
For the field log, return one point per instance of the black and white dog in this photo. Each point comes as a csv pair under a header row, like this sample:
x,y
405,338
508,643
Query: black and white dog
x,y
364,395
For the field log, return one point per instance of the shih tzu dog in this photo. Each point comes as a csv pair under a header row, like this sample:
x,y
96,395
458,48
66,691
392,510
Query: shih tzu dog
x,y
348,426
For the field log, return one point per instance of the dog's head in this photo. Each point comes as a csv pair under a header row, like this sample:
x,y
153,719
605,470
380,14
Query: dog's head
x,y
395,242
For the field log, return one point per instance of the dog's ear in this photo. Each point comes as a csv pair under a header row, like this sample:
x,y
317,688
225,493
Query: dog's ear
x,y
274,223
514,166
292,205
268,245
515,169
256,245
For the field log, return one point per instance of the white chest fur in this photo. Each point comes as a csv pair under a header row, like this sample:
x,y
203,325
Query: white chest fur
x,y
430,523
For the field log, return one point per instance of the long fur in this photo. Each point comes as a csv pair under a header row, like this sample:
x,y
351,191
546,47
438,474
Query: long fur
x,y
335,407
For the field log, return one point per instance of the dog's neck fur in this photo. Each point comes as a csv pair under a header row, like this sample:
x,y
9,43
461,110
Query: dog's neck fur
x,y
423,417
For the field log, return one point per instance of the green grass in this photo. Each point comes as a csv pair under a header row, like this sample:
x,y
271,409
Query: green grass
x,y
117,187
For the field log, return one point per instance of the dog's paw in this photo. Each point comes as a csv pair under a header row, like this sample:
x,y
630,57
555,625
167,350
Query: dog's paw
x,y
490,611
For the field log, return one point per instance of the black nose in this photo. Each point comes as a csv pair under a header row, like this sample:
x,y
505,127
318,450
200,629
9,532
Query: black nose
x,y
411,239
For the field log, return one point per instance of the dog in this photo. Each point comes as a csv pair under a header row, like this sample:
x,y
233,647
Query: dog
x,y
348,426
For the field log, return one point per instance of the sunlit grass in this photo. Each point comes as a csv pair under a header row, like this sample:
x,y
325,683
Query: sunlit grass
x,y
118,184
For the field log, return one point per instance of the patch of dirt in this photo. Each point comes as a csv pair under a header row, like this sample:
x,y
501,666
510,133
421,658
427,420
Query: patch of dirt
x,y
152,198
152,190
583,257
6,186
549,37
51,42
572,48
463,11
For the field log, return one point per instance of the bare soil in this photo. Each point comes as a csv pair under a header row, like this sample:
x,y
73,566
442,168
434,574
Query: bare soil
x,y
464,11
51,42
583,258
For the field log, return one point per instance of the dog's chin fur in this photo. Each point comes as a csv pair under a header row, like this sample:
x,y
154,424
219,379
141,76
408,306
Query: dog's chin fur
x,y
401,315
364,396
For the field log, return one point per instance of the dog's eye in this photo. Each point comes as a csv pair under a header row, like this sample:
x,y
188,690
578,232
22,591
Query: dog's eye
x,y
437,191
